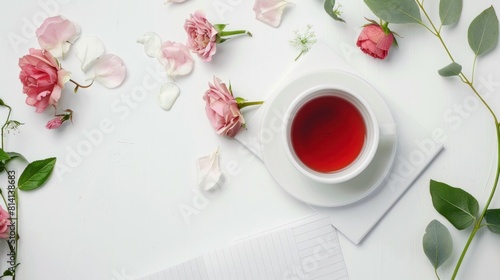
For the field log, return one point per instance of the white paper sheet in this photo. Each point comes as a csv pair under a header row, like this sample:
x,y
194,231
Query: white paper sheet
x,y
305,249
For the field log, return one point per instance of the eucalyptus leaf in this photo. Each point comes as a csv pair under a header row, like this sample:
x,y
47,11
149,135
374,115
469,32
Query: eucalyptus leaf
x,y
483,32
456,205
437,243
36,174
492,218
395,11
450,11
330,10
3,155
452,69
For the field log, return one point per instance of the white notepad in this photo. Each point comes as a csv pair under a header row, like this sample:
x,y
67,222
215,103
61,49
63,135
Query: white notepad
x,y
307,249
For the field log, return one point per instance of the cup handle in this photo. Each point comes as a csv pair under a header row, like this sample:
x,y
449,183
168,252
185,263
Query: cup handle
x,y
388,129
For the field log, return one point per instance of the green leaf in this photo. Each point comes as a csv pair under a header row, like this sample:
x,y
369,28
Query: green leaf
x,y
437,243
3,155
483,32
219,27
36,174
331,11
452,69
450,11
395,11
8,273
456,205
1,102
492,218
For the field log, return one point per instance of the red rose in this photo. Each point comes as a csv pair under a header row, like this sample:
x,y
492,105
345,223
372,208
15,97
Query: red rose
x,y
375,41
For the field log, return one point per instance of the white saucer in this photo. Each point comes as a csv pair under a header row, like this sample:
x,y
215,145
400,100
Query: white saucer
x,y
300,186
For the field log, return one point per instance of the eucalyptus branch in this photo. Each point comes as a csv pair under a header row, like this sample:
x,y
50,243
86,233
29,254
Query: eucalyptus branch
x,y
470,83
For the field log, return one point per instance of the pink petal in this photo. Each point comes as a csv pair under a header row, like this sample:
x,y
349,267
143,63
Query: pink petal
x,y
176,59
55,35
269,11
109,70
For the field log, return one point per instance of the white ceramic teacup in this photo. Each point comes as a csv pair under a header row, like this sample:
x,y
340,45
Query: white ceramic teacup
x,y
372,132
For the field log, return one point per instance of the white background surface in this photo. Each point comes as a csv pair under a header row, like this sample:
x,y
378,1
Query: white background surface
x,y
116,215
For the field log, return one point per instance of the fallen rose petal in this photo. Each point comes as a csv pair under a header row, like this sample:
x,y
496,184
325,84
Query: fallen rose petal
x,y
176,59
88,50
109,70
168,94
208,171
269,11
151,42
56,34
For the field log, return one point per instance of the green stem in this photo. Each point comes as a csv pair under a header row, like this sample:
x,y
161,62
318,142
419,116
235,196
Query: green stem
x,y
81,86
6,122
300,54
4,200
235,32
477,225
246,104
436,32
467,81
436,271
473,69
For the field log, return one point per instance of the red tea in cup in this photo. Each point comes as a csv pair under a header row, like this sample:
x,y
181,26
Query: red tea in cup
x,y
328,133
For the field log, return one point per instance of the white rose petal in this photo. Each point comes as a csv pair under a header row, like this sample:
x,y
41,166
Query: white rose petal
x,y
88,50
168,94
208,170
151,42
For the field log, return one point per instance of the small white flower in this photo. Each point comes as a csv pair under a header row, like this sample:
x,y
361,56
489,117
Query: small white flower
x,y
304,41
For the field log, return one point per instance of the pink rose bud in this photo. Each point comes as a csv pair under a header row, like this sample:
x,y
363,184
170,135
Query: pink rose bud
x,y
375,41
4,223
222,109
42,78
54,123
60,119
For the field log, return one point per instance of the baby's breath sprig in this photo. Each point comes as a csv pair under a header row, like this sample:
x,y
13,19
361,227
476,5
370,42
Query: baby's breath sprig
x,y
303,41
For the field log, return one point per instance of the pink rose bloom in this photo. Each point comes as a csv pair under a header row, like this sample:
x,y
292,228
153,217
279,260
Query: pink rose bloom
x,y
202,36
222,109
176,59
42,78
54,123
56,34
374,41
4,223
